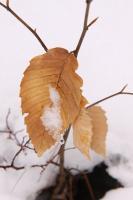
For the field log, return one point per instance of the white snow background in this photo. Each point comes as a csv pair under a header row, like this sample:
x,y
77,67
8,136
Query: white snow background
x,y
105,63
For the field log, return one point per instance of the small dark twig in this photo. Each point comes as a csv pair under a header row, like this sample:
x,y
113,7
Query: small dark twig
x,y
7,3
8,8
11,134
14,135
85,27
121,92
42,166
20,150
89,186
92,22
12,165
70,188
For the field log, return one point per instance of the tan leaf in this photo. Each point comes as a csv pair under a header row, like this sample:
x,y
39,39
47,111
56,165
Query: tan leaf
x,y
82,132
50,86
99,123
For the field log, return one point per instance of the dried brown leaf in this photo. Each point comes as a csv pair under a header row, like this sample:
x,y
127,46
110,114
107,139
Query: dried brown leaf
x,y
99,128
54,69
82,132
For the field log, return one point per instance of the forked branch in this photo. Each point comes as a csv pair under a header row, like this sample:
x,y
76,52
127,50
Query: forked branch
x,y
121,92
33,31
85,27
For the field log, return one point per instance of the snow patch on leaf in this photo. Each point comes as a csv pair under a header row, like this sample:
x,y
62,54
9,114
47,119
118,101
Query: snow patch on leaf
x,y
51,117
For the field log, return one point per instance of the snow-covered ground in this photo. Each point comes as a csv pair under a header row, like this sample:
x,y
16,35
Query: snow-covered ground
x,y
105,63
126,193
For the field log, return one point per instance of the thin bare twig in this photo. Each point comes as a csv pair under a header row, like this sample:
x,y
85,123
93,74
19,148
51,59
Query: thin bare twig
x,y
70,182
7,3
33,31
12,165
43,166
23,167
121,92
7,116
12,134
86,26
88,186
92,22
20,150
